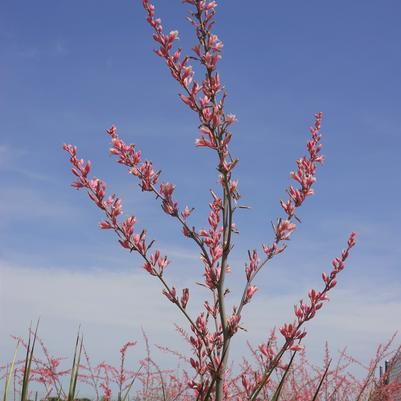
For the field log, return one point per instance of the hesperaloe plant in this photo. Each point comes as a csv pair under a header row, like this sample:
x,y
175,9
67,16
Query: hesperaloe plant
x,y
214,328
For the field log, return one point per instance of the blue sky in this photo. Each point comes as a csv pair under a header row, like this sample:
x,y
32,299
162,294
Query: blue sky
x,y
71,69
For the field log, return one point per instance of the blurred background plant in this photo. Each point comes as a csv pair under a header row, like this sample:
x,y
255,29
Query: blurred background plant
x,y
42,376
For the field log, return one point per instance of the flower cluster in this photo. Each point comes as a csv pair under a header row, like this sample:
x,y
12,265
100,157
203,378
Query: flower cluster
x,y
128,156
306,311
205,345
285,226
180,69
112,208
212,239
202,97
131,158
305,176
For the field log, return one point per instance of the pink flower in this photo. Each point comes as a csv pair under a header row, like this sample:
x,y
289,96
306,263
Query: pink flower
x,y
127,345
249,293
171,294
284,229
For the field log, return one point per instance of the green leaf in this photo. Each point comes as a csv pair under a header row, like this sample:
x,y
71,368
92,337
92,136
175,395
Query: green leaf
x,y
28,363
75,368
10,373
277,393
131,384
321,382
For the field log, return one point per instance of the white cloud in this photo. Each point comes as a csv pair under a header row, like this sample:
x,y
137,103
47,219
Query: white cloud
x,y
116,305
353,319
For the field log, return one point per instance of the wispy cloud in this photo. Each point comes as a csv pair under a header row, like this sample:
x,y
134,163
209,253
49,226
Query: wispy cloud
x,y
60,49
11,159
30,53
6,156
31,204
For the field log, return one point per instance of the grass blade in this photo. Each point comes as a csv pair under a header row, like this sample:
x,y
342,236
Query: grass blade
x,y
281,384
131,384
10,373
28,363
321,381
75,368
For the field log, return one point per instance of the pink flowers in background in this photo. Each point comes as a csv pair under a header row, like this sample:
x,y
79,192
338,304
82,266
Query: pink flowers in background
x,y
147,381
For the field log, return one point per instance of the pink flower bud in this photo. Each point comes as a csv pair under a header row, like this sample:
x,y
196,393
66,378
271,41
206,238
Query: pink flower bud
x,y
185,297
351,240
105,225
231,118
173,35
171,295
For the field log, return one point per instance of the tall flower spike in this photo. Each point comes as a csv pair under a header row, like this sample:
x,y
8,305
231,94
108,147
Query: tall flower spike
x,y
212,329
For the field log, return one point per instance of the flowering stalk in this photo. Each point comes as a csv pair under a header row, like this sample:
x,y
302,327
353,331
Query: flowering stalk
x,y
206,98
292,332
203,98
285,227
128,156
154,263
122,374
306,177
